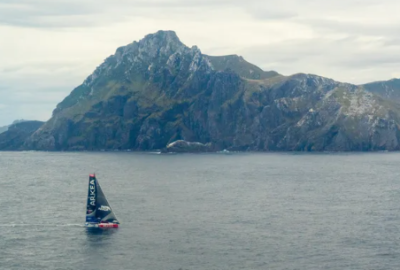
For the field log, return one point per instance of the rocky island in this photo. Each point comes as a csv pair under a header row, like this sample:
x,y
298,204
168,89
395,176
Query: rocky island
x,y
158,91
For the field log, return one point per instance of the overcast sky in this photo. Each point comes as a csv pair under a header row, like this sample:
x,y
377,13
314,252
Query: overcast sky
x,y
47,47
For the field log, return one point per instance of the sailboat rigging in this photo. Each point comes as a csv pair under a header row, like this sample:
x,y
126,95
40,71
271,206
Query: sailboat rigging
x,y
99,213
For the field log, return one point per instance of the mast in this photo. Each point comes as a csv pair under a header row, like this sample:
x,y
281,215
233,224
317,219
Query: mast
x,y
91,199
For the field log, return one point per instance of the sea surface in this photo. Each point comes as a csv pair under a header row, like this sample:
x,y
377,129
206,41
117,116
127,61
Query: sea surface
x,y
202,211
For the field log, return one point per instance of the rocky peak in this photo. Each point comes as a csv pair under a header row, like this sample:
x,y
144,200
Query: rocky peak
x,y
190,59
160,44
153,48
162,39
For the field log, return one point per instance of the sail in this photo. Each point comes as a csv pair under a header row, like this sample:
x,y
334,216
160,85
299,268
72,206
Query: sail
x,y
98,209
103,210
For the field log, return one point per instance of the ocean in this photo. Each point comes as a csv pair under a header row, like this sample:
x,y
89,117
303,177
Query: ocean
x,y
202,211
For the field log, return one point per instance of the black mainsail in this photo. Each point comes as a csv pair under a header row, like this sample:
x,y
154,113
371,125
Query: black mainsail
x,y
98,209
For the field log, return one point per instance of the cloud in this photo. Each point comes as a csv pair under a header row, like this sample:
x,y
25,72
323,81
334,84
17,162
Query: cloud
x,y
75,13
40,13
48,47
31,90
91,13
350,59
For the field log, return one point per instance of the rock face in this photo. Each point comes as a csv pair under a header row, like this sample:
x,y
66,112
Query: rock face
x,y
157,91
182,146
15,136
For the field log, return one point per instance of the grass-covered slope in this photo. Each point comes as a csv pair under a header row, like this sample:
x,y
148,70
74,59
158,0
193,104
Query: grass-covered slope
x,y
386,89
240,66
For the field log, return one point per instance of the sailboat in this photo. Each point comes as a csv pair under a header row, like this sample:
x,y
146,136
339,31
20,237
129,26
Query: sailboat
x,y
98,211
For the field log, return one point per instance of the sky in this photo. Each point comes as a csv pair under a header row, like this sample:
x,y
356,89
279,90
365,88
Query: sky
x,y
48,47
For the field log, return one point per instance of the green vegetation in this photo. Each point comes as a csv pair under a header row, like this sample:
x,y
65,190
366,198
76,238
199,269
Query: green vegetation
x,y
342,96
240,66
386,89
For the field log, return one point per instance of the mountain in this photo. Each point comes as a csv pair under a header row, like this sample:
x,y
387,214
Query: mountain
x,y
2,129
19,121
17,133
386,89
5,128
156,91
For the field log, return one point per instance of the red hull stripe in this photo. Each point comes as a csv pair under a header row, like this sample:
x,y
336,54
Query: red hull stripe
x,y
108,225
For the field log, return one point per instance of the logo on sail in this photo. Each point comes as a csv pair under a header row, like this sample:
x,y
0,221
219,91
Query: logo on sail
x,y
92,191
104,208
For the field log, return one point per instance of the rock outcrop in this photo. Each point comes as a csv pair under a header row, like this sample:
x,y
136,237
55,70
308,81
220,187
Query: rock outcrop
x,y
182,146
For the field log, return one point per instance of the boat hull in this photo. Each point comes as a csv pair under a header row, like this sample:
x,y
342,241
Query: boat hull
x,y
101,225
108,225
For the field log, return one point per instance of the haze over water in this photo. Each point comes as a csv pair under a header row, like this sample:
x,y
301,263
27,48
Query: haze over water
x,y
205,211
